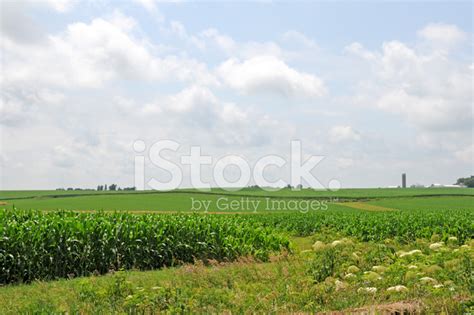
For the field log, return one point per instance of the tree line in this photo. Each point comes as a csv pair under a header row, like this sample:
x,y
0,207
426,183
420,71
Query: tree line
x,y
466,181
111,187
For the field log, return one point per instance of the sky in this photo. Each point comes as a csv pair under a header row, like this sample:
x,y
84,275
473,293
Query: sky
x,y
377,89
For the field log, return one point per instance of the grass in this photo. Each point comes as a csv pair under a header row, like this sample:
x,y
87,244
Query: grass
x,y
295,283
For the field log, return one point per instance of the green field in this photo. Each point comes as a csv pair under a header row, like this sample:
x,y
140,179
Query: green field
x,y
356,193
433,203
405,248
220,200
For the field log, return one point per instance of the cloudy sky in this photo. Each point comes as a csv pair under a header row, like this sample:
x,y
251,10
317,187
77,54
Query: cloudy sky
x,y
378,89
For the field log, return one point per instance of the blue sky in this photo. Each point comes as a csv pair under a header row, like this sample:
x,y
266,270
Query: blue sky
x,y
377,88
332,23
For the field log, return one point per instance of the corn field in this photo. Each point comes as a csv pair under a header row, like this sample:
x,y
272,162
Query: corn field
x,y
404,226
49,245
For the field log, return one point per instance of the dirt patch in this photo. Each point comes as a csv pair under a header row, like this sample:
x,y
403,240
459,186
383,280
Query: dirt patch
x,y
366,206
161,211
3,203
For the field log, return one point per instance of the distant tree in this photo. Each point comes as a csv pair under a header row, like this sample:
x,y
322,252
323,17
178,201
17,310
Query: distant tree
x,y
70,188
105,187
466,181
113,187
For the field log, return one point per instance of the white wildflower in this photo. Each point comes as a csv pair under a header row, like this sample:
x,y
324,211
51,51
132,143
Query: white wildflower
x,y
372,276
410,253
340,285
353,269
318,245
371,290
436,246
349,276
398,288
379,269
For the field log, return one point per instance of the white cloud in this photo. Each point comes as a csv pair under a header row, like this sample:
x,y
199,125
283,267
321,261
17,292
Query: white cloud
x,y
152,7
429,112
291,45
177,29
268,74
186,101
88,55
344,162
431,91
223,42
149,5
466,154
343,133
18,105
60,5
19,26
444,34
359,50
212,41
196,113
11,109
299,40
255,49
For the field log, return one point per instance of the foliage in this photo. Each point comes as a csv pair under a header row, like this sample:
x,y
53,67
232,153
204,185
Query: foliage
x,y
467,181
